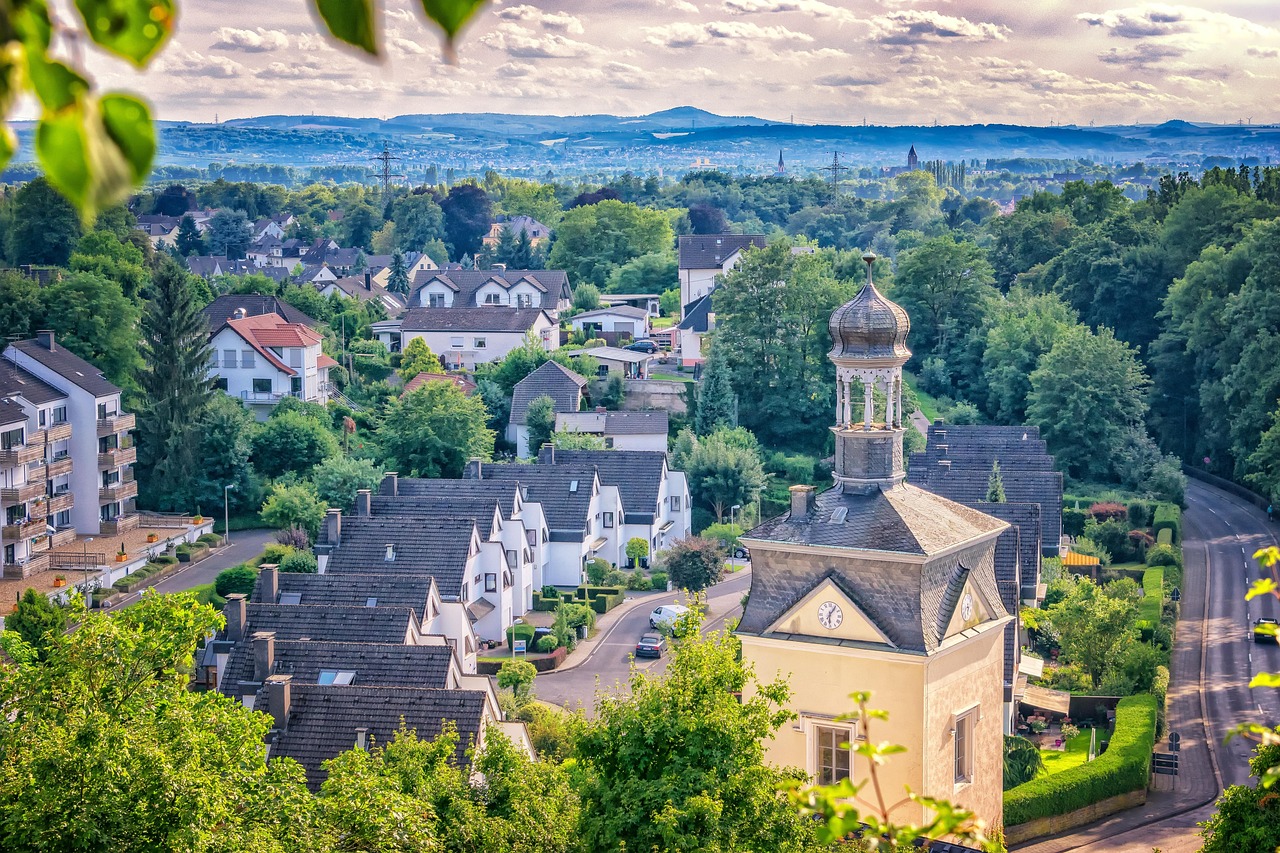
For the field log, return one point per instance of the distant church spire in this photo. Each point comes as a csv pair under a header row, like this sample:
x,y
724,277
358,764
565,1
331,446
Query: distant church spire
x,y
782,167
913,162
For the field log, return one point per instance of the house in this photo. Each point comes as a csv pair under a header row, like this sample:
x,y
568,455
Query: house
x,y
261,359
703,257
614,323
84,438
365,289
231,305
618,361
650,302
538,233
462,383
619,430
465,337
547,289
208,266
552,380
698,320
878,585
161,230
413,262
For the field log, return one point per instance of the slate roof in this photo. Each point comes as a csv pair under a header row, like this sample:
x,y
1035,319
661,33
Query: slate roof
x,y
223,308
450,490
614,423
323,720
465,283
439,548
487,318
354,286
375,664
20,382
480,508
565,507
69,366
344,624
352,589
637,474
553,380
697,315
11,413
709,251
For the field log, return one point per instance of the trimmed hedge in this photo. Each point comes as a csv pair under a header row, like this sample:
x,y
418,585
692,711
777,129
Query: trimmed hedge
x,y
1152,601
1165,537
209,539
164,560
545,604
1167,517
520,631
605,598
1124,767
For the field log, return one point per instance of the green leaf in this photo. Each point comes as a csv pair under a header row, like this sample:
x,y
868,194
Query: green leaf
x,y
63,152
1266,586
57,86
8,145
128,122
133,29
451,15
350,21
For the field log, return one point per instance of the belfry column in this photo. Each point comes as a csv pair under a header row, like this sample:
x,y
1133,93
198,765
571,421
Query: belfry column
x,y
866,403
888,403
839,401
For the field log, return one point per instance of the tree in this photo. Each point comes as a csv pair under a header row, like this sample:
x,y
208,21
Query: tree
x,y
995,484
467,214
173,200
593,240
45,227
89,312
398,279
229,233
299,562
190,241
224,431
338,480
722,472
433,431
418,358
576,441
717,404
523,256
1093,627
586,297
1025,327
637,549
176,389
359,221
1247,819
540,418
1085,394
20,308
418,219
241,579
652,273
706,219
292,441
1022,761
517,676
677,761
37,620
104,253
294,506
693,563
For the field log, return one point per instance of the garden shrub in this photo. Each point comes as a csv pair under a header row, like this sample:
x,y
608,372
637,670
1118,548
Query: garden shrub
x,y
658,581
548,644
637,582
183,550
1160,689
1124,767
616,577
209,538
164,560
275,553
1152,596
549,591
543,604
597,571
299,562
235,579
1139,514
1109,511
519,631
1168,517
1163,555
1073,521
577,615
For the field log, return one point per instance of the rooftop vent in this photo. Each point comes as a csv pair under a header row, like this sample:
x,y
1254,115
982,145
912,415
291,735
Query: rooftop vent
x,y
391,553
839,515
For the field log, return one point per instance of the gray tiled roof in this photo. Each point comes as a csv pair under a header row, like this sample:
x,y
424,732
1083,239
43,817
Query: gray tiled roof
x,y
637,474
487,318
465,283
709,251
438,547
613,310
697,315
17,381
69,366
323,720
11,413
615,423
553,380
375,664
565,507
481,508
222,309
452,490
353,589
343,624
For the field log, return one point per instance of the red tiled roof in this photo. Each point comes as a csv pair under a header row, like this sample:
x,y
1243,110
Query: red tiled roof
x,y
271,330
466,385
325,361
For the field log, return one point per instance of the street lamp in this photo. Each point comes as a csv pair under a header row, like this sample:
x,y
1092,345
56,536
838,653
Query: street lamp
x,y
732,510
226,512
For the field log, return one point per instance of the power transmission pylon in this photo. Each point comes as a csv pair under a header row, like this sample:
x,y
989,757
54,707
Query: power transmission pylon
x,y
835,169
385,175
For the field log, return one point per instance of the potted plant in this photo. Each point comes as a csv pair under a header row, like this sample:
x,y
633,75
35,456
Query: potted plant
x,y
122,555
59,580
152,537
197,519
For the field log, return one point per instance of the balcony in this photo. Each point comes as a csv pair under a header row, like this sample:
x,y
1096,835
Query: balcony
x,y
61,503
58,467
22,454
65,536
39,436
28,567
121,524
24,529
119,422
38,510
118,491
58,432
117,456
23,493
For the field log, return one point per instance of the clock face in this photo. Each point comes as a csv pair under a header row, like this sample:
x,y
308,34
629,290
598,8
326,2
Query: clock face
x,y
966,607
830,615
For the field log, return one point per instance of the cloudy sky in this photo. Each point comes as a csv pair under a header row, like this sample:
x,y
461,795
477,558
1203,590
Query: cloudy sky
x,y
841,61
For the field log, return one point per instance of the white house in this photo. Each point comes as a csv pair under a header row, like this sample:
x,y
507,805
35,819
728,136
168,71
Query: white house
x,y
552,380
620,320
617,361
619,430
702,257
465,337
261,359
546,289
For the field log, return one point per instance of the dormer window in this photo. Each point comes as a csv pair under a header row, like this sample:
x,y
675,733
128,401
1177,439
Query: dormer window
x,y
336,676
391,553
573,487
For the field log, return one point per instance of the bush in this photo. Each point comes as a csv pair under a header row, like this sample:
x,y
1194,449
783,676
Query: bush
x,y
299,562
637,582
548,644
658,581
1152,595
164,560
549,591
1109,511
1073,521
1124,767
597,571
183,550
1168,517
1164,537
209,539
543,604
616,577
1139,514
1160,689
235,579
275,553
519,631
577,615
1163,555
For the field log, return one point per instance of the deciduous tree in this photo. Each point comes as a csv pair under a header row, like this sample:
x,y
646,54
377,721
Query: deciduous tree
x,y
540,418
338,480
433,431
595,239
292,441
294,506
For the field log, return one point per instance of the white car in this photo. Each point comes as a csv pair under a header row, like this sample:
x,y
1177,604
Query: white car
x,y
666,616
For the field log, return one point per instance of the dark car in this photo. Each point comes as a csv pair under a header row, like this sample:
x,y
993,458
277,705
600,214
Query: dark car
x,y
643,346
538,634
741,553
651,646
1265,634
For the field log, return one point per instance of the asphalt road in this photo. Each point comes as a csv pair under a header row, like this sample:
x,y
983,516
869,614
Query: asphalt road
x,y
245,545
610,663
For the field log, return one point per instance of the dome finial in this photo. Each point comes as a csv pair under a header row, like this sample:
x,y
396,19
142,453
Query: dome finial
x,y
869,326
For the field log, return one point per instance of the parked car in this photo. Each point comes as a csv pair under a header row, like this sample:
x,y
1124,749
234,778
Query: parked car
x,y
665,617
1265,635
651,646
538,634
643,346
740,553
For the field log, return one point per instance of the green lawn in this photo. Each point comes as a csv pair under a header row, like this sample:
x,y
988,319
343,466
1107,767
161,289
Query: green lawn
x,y
928,404
1075,754
1151,605
672,377
663,322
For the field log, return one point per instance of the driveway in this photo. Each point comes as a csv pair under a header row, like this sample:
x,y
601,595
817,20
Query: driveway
x,y
245,545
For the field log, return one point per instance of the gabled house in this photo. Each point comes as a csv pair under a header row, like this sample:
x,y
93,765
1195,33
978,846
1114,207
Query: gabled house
x,y
619,430
546,289
465,337
702,257
615,321
553,380
365,289
698,319
537,232
234,305
161,230
261,359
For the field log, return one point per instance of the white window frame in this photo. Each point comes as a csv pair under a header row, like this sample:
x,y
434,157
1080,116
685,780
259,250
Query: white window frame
x,y
480,343
964,728
815,730
456,343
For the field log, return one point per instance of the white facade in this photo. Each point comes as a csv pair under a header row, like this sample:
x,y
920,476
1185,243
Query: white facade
x,y
522,294
696,283
622,320
464,349
597,423
248,368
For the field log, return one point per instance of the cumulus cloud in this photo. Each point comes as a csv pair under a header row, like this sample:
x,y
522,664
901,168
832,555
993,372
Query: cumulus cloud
x,y
249,41
523,43
689,35
1158,19
1141,55
558,21
914,26
195,64
842,81
814,8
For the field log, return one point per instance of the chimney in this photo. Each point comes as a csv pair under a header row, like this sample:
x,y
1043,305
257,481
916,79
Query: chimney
x,y
362,738
801,501
364,503
269,583
391,484
549,451
600,410
264,654
278,698
474,470
367,281
45,339
234,611
499,267
333,528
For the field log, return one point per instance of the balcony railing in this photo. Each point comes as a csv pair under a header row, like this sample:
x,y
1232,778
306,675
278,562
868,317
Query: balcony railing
x,y
28,567
38,510
61,503
22,454
65,536
23,493
58,467
118,491
58,432
118,456
119,422
24,529
120,524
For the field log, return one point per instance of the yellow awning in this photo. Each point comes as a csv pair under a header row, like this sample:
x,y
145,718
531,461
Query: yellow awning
x,y
1074,559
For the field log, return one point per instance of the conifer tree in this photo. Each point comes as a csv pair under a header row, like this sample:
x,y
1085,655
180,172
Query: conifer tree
x,y
717,404
505,246
176,388
398,280
995,485
190,242
522,252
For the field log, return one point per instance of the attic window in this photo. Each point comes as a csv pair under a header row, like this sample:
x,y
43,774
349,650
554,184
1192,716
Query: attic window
x,y
290,598
839,515
391,553
371,602
573,487
336,676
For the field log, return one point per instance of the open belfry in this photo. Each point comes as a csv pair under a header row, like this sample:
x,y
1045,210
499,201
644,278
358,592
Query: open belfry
x,y
877,585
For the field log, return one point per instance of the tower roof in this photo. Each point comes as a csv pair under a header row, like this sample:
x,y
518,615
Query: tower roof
x,y
869,326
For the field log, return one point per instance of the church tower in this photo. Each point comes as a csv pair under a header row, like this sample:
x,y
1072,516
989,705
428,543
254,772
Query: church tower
x,y
913,162
878,585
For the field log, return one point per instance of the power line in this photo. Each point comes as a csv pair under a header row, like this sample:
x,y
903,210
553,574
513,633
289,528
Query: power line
x,y
385,175
835,170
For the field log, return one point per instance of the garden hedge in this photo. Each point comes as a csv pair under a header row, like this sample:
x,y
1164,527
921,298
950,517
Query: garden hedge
x,y
1152,602
1124,767
1167,517
520,631
545,604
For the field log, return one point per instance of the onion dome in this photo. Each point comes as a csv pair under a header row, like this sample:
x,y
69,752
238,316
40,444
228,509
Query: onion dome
x,y
869,326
